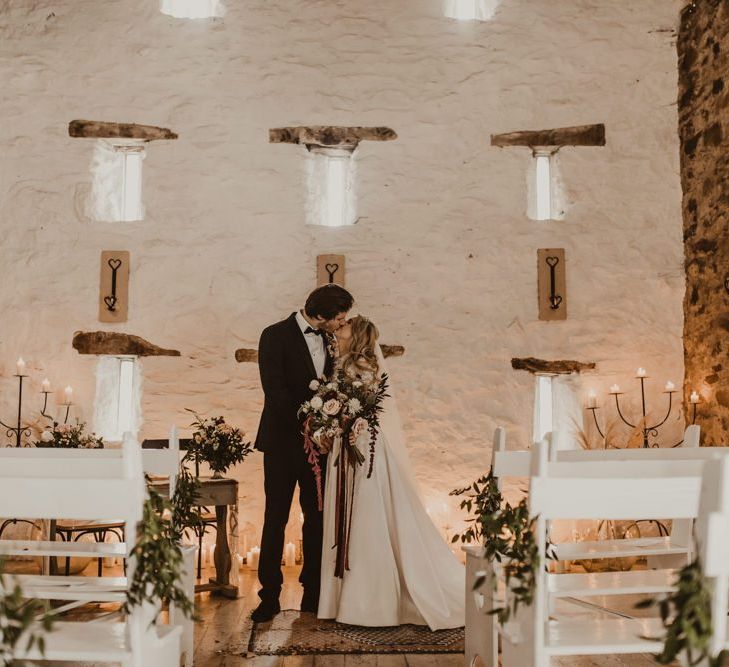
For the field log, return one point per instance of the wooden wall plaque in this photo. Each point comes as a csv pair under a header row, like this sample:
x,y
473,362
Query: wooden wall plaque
x,y
114,286
552,284
330,269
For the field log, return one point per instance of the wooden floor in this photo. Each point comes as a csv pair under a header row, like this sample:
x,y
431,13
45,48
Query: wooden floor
x,y
222,634
222,637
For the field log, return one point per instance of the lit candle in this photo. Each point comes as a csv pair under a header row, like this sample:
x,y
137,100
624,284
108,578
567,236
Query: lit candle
x,y
640,373
20,365
249,559
592,399
694,397
68,393
615,389
46,385
670,386
290,555
255,553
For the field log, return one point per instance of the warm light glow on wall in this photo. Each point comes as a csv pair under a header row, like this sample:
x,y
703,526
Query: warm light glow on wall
x,y
331,200
470,10
192,9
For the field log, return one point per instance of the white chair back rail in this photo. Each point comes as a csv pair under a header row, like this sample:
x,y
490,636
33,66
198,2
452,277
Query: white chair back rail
x,y
557,493
50,485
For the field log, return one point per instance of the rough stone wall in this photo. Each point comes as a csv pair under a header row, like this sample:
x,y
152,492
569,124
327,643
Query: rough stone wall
x,y
443,257
703,111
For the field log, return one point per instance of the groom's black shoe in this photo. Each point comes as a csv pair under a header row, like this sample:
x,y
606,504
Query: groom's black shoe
x,y
265,611
310,603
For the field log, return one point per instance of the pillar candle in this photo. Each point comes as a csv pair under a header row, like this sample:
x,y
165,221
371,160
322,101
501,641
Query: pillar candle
x,y
20,366
592,399
46,385
68,394
255,553
694,397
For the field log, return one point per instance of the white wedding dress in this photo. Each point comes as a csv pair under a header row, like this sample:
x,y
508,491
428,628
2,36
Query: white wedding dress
x,y
400,568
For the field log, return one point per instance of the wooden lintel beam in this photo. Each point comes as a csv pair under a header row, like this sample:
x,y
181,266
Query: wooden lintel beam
x,y
562,367
329,135
579,135
99,129
112,342
250,355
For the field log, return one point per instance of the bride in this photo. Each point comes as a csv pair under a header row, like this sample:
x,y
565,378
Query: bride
x,y
400,570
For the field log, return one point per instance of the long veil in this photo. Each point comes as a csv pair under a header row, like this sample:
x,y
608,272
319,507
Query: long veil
x,y
391,426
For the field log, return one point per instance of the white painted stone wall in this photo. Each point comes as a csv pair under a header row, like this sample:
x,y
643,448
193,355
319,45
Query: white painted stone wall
x,y
443,257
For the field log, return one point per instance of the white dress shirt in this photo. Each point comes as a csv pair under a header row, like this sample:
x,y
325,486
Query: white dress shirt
x,y
315,343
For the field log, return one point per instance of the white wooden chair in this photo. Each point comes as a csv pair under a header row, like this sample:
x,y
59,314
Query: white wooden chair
x,y
96,485
712,545
661,552
670,551
620,490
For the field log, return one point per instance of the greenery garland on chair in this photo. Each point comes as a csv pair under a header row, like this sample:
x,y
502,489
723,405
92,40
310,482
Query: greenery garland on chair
x,y
20,619
159,560
686,617
507,534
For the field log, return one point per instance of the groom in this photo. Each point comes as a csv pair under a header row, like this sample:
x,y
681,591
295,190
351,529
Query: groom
x,y
291,354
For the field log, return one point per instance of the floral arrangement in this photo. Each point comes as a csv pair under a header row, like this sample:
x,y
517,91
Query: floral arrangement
x,y
69,436
345,408
507,535
21,620
217,443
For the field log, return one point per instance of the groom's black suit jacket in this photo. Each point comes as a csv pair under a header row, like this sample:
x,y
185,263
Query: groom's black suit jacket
x,y
286,371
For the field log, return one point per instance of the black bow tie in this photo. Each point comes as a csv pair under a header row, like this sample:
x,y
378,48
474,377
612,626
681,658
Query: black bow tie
x,y
316,332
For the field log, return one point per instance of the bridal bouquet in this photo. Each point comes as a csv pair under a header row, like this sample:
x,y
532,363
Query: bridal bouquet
x,y
345,408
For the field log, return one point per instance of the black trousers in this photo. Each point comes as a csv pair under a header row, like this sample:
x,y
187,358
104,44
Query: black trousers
x,y
282,472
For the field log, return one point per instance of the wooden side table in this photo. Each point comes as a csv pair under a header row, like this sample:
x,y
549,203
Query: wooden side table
x,y
223,494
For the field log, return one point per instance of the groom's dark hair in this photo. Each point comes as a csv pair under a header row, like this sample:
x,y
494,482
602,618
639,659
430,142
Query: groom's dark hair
x,y
328,301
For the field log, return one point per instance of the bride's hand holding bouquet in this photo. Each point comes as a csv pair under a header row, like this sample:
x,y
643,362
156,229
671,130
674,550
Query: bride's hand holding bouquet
x,y
343,408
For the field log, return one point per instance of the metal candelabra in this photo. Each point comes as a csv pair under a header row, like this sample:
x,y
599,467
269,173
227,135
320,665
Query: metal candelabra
x,y
19,430
648,431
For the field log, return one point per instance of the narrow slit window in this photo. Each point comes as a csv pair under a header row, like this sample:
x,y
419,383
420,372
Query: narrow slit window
x,y
470,10
331,176
116,188
543,407
544,186
547,199
117,405
192,9
131,182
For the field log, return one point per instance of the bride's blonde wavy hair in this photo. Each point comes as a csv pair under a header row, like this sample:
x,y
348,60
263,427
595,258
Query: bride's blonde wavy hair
x,y
361,356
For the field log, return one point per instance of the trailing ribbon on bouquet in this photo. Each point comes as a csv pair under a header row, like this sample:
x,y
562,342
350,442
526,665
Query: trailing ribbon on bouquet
x,y
343,504
312,457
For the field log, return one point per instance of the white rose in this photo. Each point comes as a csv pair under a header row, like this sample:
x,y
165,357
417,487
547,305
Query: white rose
x,y
331,407
47,436
357,384
354,405
314,385
331,385
317,403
